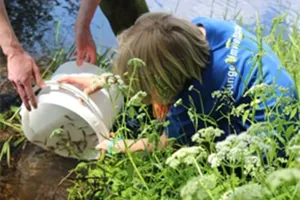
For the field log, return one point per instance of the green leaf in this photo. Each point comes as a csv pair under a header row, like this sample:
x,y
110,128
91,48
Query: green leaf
x,y
293,113
289,131
245,116
57,132
131,112
8,154
19,141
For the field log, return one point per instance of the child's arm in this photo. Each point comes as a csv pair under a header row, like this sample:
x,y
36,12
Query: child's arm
x,y
134,145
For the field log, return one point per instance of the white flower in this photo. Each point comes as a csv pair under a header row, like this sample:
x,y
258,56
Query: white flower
x,y
187,155
141,116
207,134
255,102
172,162
216,94
136,100
191,87
136,62
286,177
251,164
261,90
198,187
249,192
239,111
214,160
178,103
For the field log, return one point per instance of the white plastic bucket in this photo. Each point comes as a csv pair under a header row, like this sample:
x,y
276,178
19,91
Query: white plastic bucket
x,y
79,127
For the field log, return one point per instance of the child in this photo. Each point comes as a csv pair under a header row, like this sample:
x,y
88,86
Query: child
x,y
185,63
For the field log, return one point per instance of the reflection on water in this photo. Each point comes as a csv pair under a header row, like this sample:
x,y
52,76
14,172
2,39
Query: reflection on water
x,y
34,22
37,173
44,26
266,9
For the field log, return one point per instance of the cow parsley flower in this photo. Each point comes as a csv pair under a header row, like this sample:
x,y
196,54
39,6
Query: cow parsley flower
x,y
191,87
186,155
288,176
137,99
247,192
178,103
199,187
239,111
136,62
207,134
261,90
214,160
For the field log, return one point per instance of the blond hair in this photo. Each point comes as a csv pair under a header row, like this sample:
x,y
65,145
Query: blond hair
x,y
173,50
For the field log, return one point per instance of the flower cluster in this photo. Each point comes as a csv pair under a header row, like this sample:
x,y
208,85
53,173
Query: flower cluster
x,y
247,192
261,90
240,110
240,151
187,155
289,176
207,135
136,100
199,187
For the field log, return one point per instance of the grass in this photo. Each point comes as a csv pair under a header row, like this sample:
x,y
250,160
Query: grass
x,y
246,166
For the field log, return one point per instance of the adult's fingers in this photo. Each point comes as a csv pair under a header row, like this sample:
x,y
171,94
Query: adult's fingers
x,y
80,58
75,53
22,93
29,93
37,77
93,58
88,58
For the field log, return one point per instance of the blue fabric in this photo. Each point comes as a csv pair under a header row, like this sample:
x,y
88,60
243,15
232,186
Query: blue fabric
x,y
226,39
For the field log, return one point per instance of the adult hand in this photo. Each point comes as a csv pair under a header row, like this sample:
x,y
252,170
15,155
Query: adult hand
x,y
21,69
85,47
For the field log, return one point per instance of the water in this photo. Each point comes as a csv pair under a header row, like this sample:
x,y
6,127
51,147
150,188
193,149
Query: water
x,y
35,173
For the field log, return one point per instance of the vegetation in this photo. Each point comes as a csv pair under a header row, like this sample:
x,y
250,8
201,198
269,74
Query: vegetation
x,y
261,163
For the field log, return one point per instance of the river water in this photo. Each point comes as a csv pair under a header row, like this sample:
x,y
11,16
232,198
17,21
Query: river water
x,y
44,26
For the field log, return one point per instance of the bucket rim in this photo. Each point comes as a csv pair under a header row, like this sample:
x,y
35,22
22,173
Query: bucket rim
x,y
55,86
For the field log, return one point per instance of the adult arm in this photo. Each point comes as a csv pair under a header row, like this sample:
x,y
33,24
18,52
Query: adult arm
x,y
21,67
85,46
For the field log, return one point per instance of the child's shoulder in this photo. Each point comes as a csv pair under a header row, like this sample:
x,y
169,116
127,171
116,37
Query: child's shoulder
x,y
212,22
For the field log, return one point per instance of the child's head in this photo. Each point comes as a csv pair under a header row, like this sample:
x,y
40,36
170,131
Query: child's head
x,y
173,50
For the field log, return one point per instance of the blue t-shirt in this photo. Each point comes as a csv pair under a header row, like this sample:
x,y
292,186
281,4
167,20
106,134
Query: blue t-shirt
x,y
232,68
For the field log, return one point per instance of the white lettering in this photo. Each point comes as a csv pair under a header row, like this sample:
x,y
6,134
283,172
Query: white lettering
x,y
232,57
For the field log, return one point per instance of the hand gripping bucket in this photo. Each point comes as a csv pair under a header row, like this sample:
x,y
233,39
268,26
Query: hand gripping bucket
x,y
64,125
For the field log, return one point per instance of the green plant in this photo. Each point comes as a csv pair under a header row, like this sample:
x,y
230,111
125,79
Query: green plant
x,y
245,166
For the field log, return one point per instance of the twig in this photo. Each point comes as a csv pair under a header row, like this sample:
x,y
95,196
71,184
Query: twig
x,y
61,182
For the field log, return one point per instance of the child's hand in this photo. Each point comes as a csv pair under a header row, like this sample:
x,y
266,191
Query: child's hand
x,y
89,84
103,146
107,145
